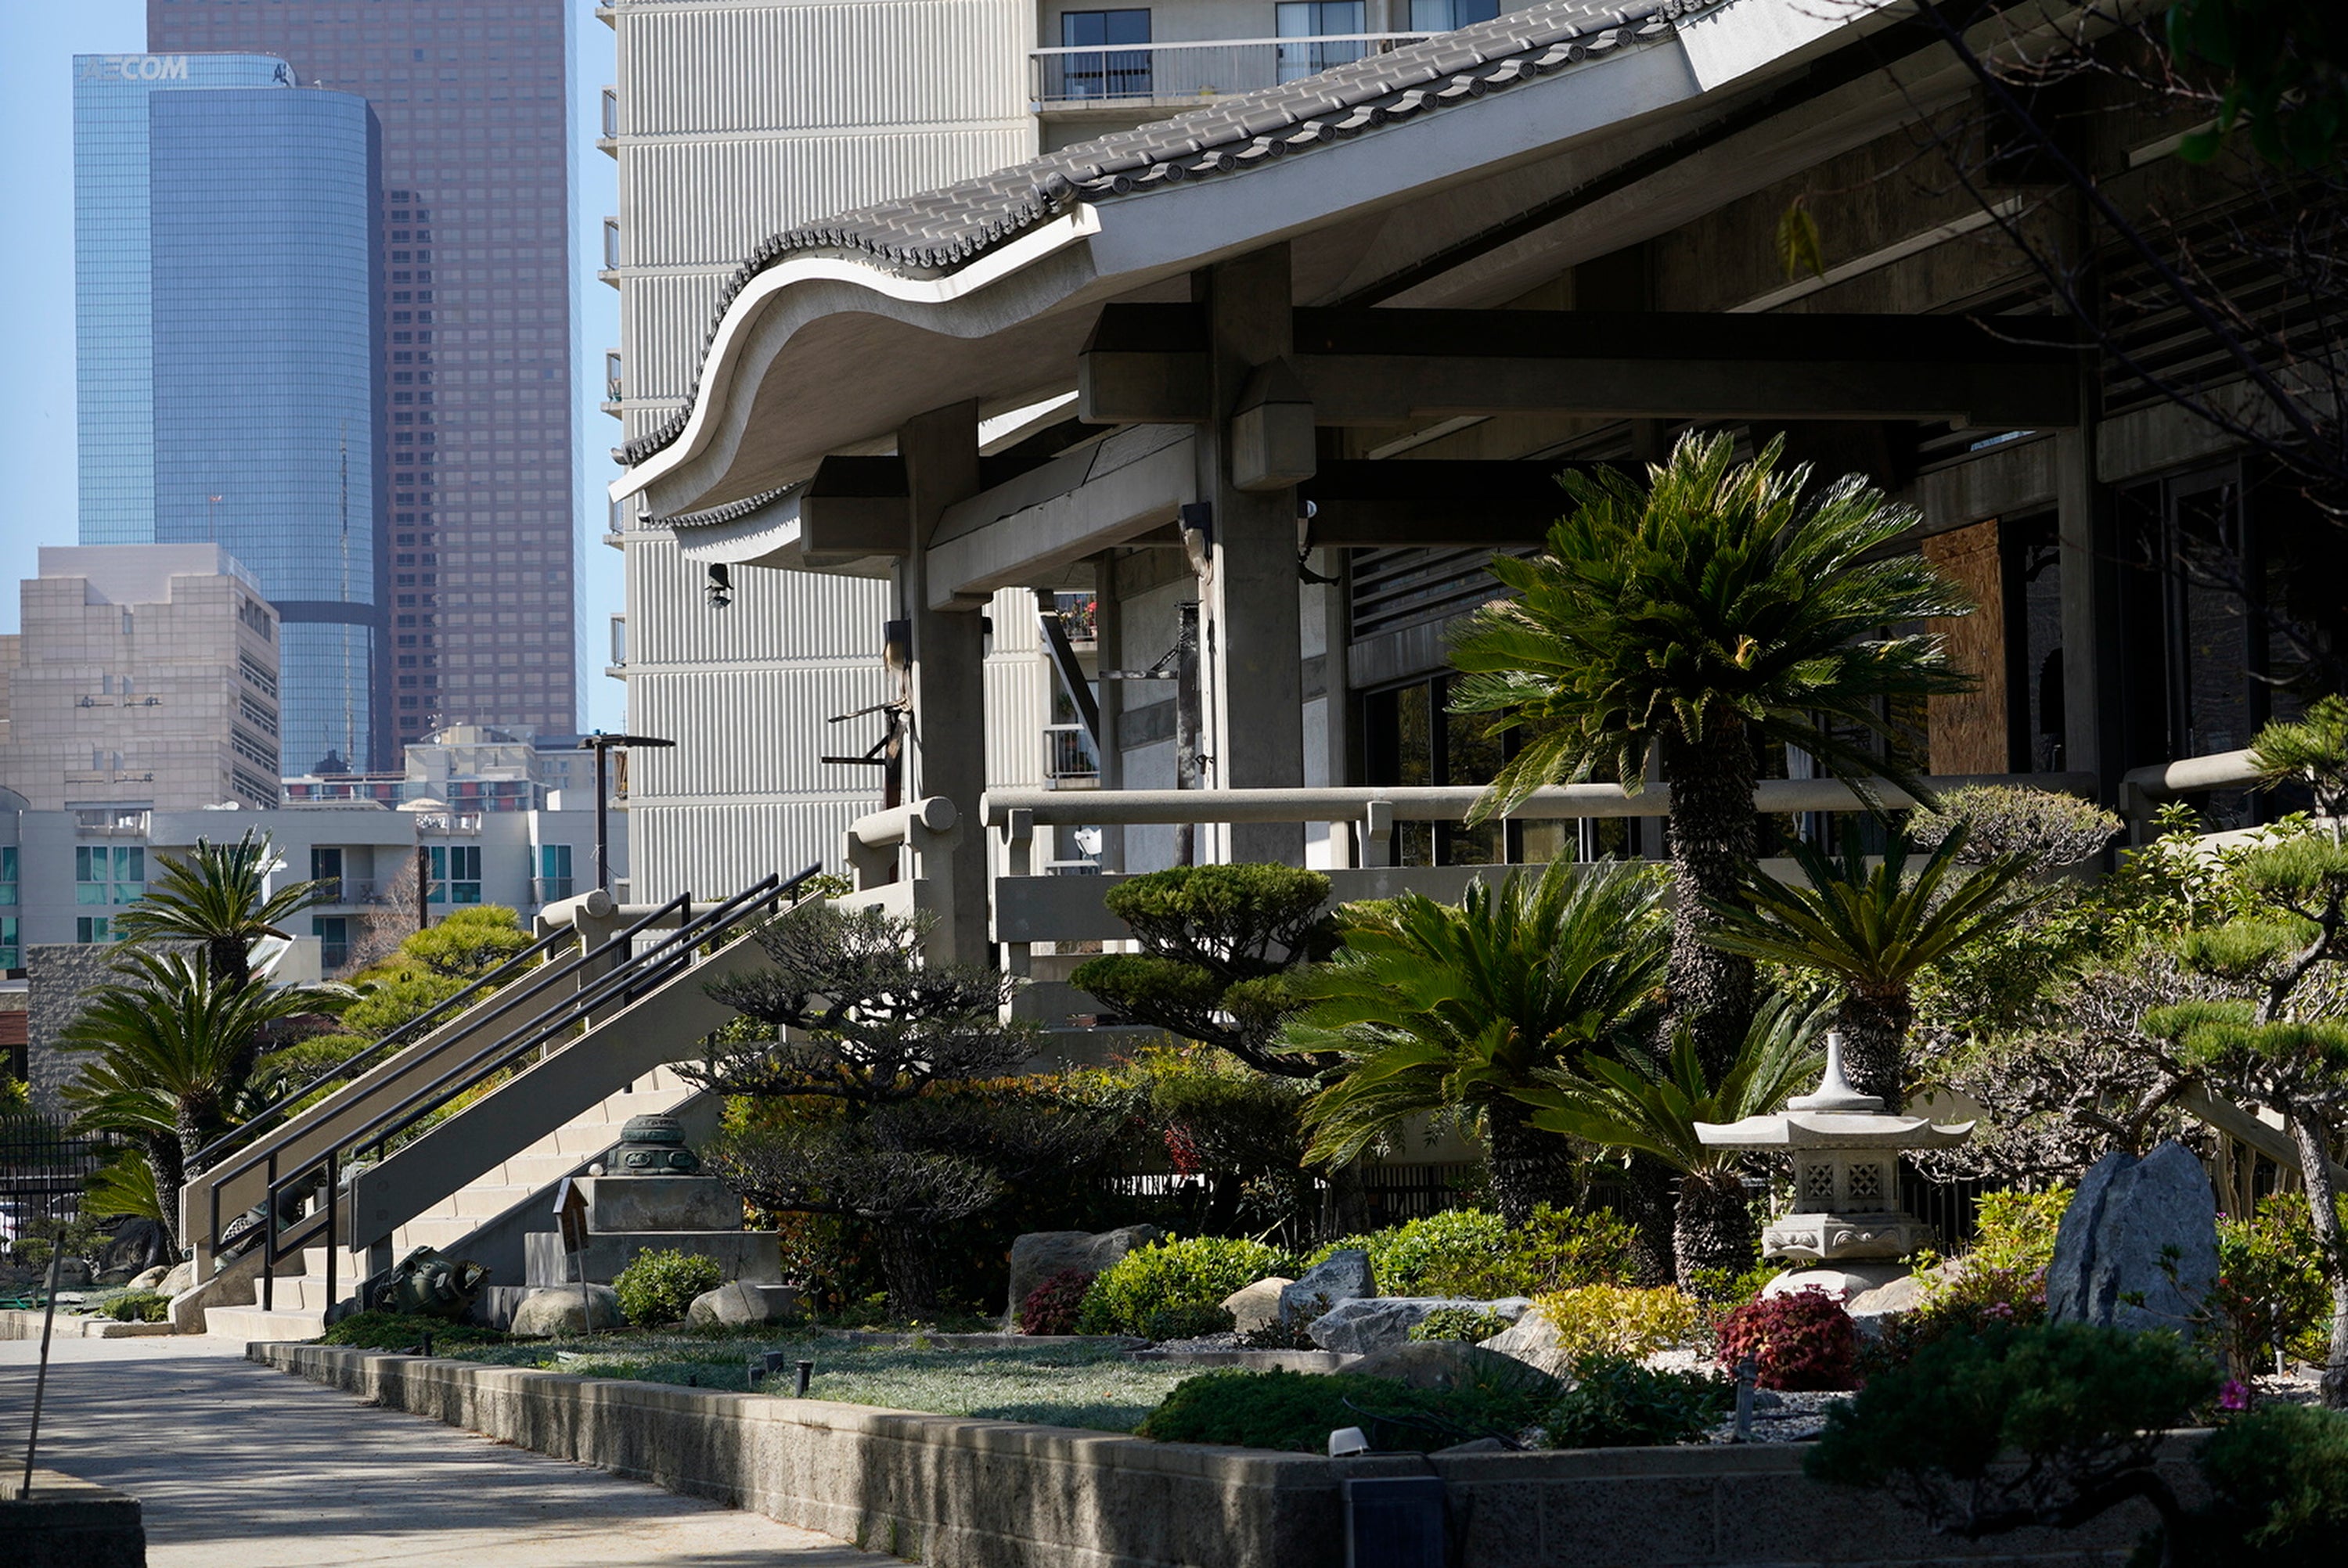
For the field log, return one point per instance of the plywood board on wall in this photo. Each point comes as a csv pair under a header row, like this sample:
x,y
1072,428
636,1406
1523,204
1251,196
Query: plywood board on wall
x,y
1967,731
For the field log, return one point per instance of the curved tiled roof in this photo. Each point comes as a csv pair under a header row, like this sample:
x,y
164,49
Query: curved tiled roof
x,y
939,230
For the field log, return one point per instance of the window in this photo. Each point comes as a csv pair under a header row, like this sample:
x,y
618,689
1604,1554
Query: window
x,y
456,873
553,872
1443,15
8,874
333,934
1408,738
1121,73
110,874
92,928
611,243
1317,19
12,951
327,866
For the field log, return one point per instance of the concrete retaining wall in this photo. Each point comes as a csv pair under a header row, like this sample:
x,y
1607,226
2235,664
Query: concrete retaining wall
x,y
18,1324
965,1493
69,1523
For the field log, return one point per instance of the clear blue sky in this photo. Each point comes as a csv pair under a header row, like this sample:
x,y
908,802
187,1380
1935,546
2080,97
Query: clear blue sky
x,y
37,43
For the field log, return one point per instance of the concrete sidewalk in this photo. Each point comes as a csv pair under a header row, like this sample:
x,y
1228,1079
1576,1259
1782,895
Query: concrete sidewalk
x,y
241,1467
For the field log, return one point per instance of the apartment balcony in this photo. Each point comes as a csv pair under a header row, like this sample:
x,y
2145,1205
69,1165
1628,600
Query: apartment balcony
x,y
1069,760
1113,81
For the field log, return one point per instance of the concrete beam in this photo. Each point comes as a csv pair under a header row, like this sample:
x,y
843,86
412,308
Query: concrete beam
x,y
1055,515
1432,502
854,507
1147,364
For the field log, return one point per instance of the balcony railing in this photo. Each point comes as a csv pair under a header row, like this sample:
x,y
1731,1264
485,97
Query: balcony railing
x,y
1069,760
1103,76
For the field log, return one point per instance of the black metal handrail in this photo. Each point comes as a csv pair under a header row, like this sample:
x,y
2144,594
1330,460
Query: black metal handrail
x,y
636,976
504,1002
406,1034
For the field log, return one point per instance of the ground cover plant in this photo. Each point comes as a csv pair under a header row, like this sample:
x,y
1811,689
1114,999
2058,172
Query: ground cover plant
x,y
1298,1410
1617,1403
1055,1384
373,1330
1616,1321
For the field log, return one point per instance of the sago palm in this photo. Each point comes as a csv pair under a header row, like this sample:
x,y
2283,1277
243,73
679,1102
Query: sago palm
x,y
1436,1009
218,894
1642,1104
1693,620
164,1042
1871,931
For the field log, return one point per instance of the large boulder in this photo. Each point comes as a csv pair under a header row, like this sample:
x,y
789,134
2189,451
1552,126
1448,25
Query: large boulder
x,y
1904,1294
1532,1339
1039,1254
1440,1364
1846,1282
1369,1323
740,1304
1343,1275
1257,1306
556,1312
2137,1248
150,1280
180,1276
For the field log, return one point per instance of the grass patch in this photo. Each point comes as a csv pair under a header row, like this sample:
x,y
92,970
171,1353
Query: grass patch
x,y
1092,1387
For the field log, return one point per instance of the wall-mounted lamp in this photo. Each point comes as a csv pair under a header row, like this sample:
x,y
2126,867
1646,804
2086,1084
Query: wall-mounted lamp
x,y
721,585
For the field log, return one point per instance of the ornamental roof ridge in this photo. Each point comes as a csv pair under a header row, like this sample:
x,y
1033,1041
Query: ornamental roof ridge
x,y
934,232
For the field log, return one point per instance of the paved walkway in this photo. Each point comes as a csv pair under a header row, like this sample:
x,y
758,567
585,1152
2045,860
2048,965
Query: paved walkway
x,y
240,1466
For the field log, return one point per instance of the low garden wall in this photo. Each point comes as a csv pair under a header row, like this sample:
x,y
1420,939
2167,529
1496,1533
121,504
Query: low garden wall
x,y
958,1492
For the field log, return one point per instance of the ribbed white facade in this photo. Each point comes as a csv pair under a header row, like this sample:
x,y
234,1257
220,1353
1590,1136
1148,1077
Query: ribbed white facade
x,y
736,119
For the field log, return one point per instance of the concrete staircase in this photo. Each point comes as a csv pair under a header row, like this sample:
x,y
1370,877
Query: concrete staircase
x,y
512,1197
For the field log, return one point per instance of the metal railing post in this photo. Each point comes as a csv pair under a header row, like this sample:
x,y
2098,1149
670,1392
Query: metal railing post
x,y
269,1238
334,1197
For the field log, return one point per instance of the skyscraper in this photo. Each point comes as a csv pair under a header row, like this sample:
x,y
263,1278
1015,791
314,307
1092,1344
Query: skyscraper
x,y
476,349
225,317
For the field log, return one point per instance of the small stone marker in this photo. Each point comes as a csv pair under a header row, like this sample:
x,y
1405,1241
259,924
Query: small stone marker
x,y
1343,1275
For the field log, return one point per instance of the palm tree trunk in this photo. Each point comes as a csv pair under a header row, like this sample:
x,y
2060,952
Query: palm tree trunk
x,y
1713,844
1651,1188
1874,1043
1527,1166
1714,1229
165,1158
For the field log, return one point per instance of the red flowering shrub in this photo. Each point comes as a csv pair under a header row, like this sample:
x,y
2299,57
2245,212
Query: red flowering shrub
x,y
1051,1307
1801,1342
1978,1299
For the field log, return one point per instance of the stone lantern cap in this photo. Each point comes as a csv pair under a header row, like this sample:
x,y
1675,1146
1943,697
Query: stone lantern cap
x,y
1825,1130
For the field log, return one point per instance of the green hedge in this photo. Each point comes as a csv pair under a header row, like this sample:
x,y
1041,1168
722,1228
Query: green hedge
x,y
1172,1274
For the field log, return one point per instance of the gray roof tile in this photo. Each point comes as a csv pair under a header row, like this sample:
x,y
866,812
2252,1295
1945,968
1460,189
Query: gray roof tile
x,y
938,231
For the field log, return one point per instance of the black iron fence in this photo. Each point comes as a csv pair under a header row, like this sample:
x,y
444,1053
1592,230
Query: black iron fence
x,y
44,1169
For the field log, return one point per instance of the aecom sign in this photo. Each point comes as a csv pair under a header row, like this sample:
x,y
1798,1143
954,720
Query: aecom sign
x,y
136,68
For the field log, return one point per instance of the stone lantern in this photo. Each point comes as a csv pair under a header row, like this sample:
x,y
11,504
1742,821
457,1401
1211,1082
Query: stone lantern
x,y
1846,1150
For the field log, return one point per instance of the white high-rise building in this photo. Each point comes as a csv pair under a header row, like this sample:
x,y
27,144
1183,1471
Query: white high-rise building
x,y
732,122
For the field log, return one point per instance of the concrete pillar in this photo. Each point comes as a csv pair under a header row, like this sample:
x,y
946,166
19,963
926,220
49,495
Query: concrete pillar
x,y
1109,653
1252,658
948,752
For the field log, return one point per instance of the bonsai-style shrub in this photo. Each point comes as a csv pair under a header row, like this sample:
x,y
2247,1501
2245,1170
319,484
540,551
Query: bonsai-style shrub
x,y
1051,1307
1469,1325
1618,1321
861,1099
1298,1410
1218,946
2044,829
1800,1342
2079,1411
659,1284
1194,1271
1615,1403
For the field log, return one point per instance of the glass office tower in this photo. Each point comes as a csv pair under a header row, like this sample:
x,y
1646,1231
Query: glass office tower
x,y
227,290
478,337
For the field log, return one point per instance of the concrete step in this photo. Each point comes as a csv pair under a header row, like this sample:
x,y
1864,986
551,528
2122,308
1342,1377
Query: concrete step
x,y
248,1324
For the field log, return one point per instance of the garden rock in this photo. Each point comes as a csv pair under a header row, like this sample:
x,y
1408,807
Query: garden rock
x,y
556,1311
1439,1364
1342,1275
1039,1254
150,1280
1845,1282
1257,1306
1904,1294
182,1277
740,1302
1533,1341
2137,1248
1365,1324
